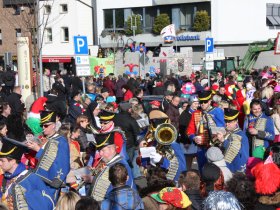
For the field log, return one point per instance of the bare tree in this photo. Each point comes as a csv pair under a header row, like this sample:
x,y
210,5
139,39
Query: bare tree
x,y
32,21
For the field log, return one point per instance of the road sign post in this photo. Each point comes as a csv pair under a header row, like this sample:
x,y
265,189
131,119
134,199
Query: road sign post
x,y
81,58
209,56
80,45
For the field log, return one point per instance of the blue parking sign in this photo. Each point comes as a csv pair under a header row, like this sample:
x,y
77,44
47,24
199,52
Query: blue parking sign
x,y
80,45
209,45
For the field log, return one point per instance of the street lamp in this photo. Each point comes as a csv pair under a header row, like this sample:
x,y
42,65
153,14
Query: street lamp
x,y
134,27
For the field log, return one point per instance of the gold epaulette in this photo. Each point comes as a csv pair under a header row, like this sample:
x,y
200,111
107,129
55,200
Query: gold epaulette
x,y
19,198
260,126
234,147
173,168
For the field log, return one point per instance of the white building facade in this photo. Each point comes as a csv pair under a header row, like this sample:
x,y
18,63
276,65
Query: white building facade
x,y
234,24
62,20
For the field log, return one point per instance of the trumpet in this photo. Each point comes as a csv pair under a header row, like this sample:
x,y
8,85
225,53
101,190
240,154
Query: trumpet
x,y
92,129
98,168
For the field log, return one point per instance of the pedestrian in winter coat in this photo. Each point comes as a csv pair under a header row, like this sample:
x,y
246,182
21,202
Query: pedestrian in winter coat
x,y
15,102
56,104
215,155
122,196
109,84
173,111
129,126
127,93
119,84
75,108
9,80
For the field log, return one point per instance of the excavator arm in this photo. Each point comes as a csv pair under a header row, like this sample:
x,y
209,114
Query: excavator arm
x,y
252,54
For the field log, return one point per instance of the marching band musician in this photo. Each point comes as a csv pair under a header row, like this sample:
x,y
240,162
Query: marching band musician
x,y
21,189
259,126
53,157
108,125
107,150
201,123
235,143
172,158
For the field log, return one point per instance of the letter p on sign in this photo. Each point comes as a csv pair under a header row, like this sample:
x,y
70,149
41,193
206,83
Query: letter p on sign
x,y
209,45
80,45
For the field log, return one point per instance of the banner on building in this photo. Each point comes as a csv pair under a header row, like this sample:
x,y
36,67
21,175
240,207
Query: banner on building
x,y
24,66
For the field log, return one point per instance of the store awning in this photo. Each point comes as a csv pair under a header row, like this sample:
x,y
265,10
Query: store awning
x,y
56,59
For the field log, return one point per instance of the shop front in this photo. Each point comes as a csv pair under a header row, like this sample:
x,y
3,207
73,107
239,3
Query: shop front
x,y
58,62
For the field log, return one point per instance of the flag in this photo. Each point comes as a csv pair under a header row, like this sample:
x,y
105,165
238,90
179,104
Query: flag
x,y
168,31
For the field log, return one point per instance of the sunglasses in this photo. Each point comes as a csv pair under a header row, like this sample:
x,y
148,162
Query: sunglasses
x,y
104,122
46,125
203,102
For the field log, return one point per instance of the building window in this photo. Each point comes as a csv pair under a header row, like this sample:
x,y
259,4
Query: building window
x,y
0,37
119,17
186,16
31,11
137,11
149,16
65,34
18,32
47,9
63,8
48,35
108,16
17,10
166,9
273,15
114,19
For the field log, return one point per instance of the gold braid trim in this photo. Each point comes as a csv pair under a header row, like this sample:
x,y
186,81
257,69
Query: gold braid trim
x,y
234,148
101,185
260,126
50,155
19,198
173,168
101,182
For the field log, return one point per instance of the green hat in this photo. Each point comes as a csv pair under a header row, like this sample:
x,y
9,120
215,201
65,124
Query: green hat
x,y
240,78
173,196
259,152
34,125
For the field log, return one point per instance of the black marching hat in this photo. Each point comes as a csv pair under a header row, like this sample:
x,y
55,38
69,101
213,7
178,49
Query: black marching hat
x,y
231,114
12,150
104,139
106,115
47,117
204,95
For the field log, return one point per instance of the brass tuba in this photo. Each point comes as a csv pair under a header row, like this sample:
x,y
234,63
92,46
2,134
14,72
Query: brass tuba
x,y
165,135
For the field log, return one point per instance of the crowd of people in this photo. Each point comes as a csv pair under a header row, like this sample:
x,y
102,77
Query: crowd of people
x,y
189,146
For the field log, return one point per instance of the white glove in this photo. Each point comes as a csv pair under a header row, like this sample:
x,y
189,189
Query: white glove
x,y
155,158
